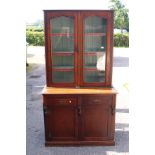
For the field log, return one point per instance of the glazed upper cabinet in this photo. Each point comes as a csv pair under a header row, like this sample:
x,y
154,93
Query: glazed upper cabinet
x,y
78,48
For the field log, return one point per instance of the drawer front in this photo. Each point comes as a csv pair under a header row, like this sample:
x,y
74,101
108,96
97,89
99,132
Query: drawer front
x,y
61,100
97,99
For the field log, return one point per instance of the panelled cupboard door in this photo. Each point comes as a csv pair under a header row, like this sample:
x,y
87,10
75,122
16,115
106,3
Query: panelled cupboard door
x,y
97,118
61,48
61,119
95,47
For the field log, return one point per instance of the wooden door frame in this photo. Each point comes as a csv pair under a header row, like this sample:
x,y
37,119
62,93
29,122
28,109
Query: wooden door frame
x,y
109,46
48,54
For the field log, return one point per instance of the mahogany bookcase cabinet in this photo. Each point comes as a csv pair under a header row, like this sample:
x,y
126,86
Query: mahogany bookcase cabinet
x,y
78,100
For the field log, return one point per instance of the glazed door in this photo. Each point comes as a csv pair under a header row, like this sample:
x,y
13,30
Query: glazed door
x,y
62,52
79,48
95,49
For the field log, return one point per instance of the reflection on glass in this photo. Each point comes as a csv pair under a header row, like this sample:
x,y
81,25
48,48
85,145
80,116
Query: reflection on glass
x,y
94,49
94,76
96,60
62,44
63,76
62,38
95,43
95,24
62,25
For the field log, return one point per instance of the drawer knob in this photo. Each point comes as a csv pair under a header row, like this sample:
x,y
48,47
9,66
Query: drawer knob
x,y
70,101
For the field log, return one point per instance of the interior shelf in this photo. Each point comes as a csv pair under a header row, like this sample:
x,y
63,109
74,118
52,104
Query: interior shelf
x,y
93,52
65,53
95,34
61,34
62,68
90,68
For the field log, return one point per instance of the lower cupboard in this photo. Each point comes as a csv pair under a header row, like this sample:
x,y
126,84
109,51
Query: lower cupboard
x,y
79,119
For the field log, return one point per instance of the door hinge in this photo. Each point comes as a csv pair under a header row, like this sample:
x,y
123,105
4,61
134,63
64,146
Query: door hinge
x,y
79,110
112,110
46,111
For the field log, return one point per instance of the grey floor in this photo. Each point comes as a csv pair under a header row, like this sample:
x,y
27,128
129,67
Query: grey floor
x,y
35,124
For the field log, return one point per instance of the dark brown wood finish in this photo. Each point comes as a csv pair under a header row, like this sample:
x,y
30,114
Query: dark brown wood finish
x,y
109,58
79,118
107,15
49,16
96,117
79,16
60,115
79,113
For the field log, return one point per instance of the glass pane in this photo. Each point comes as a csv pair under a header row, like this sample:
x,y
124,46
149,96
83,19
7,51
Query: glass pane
x,y
62,44
95,25
95,43
62,48
94,76
62,25
63,61
96,61
63,76
94,49
62,34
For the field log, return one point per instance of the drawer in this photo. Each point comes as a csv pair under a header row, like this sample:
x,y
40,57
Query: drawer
x,y
96,99
49,100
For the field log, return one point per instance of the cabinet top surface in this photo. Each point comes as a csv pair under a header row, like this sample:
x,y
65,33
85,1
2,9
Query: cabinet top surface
x,y
78,10
53,90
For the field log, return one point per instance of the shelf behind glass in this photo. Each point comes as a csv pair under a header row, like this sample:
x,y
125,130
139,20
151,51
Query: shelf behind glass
x,y
91,67
62,52
62,34
93,43
94,76
63,60
62,67
94,61
93,51
95,34
62,43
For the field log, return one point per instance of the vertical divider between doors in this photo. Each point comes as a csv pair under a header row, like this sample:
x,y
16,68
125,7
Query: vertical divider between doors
x,y
80,47
76,49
